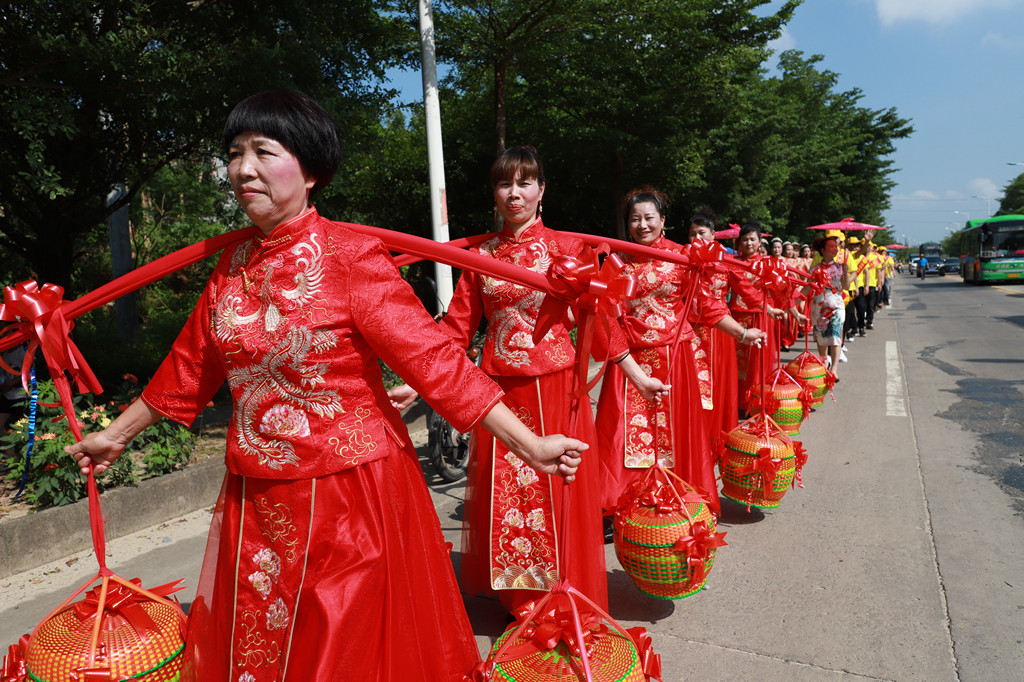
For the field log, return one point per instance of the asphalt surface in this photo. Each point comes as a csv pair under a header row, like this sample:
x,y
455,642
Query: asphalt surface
x,y
900,559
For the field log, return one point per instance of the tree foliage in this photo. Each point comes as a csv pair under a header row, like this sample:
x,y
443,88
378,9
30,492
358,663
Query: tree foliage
x,y
96,92
1012,202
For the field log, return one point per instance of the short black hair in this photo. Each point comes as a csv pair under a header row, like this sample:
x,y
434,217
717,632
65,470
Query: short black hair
x,y
523,161
296,121
748,227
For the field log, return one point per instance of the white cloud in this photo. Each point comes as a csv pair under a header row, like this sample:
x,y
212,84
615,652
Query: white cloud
x,y
923,194
984,187
892,12
784,42
998,40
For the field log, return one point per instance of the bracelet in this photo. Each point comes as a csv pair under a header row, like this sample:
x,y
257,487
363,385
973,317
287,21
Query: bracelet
x,y
744,337
622,358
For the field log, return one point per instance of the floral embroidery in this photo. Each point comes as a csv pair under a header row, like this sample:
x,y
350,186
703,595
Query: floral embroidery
x,y
639,420
284,421
514,518
527,477
522,545
246,677
276,525
535,520
277,615
514,460
269,562
261,583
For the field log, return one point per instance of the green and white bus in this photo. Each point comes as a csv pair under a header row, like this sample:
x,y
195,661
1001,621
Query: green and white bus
x,y
992,249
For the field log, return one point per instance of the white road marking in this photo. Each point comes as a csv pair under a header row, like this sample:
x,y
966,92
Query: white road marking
x,y
895,403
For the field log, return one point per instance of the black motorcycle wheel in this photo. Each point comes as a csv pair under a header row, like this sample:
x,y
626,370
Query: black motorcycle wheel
x,y
449,449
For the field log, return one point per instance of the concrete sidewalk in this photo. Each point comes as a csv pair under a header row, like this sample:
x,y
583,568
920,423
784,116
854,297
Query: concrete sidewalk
x,y
841,582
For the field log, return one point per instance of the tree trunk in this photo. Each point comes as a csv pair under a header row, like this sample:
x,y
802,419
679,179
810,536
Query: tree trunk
x,y
500,74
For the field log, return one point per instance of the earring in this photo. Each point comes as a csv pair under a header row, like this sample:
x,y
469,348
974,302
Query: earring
x,y
540,207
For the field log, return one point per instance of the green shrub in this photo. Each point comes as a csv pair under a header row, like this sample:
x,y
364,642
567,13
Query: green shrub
x,y
53,477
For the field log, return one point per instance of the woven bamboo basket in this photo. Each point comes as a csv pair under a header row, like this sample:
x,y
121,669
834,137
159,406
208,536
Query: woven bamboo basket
x,y
665,536
784,404
138,639
744,462
808,368
612,657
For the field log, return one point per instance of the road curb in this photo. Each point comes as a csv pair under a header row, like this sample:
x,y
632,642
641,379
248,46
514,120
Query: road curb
x,y
37,539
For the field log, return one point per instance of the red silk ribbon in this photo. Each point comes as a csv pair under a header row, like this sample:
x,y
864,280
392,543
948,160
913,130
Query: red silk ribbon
x,y
697,546
38,312
801,460
554,624
650,662
125,602
15,668
765,465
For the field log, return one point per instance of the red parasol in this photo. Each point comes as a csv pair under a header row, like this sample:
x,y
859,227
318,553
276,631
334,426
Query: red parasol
x,y
731,233
847,224
896,246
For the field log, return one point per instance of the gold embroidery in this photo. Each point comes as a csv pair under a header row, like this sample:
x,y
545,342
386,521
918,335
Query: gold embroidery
x,y
253,650
357,443
276,525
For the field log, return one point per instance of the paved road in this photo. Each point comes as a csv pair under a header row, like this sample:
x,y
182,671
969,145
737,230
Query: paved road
x,y
899,560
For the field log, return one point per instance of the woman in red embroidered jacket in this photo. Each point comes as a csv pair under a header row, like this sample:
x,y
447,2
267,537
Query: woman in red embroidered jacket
x,y
511,515
325,559
632,428
752,307
715,346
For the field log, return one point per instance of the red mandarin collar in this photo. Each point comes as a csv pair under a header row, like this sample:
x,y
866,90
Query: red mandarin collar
x,y
527,235
292,225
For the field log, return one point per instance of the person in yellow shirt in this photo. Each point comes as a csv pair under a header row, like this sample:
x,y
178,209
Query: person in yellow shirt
x,y
873,281
858,262
888,271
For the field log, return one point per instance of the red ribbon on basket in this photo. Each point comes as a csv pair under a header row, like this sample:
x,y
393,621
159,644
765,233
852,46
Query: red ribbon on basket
x,y
15,669
801,460
126,603
556,624
698,546
650,662
766,466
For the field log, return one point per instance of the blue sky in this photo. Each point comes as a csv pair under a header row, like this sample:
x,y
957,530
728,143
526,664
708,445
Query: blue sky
x,y
951,66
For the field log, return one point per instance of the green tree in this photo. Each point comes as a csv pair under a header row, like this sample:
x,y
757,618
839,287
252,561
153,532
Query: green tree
x,y
99,92
1012,202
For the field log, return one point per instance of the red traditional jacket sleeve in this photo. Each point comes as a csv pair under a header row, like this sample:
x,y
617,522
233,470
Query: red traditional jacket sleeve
x,y
394,323
464,311
190,375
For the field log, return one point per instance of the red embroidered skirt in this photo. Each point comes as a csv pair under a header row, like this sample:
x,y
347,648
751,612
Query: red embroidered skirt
x,y
344,577
623,414
510,543
724,386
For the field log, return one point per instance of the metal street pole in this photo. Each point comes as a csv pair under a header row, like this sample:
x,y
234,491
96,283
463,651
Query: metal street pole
x,y
435,155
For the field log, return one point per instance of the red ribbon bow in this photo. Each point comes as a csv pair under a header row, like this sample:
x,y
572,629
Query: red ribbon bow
x,y
125,602
15,669
703,253
556,624
38,312
650,662
698,546
597,288
766,466
801,460
660,497
820,281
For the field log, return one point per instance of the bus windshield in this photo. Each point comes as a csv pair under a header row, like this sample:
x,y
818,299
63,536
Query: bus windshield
x,y
999,240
